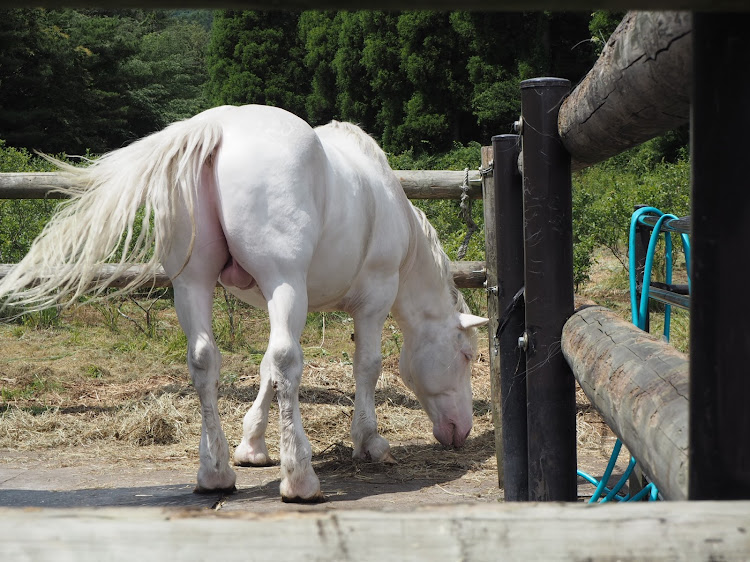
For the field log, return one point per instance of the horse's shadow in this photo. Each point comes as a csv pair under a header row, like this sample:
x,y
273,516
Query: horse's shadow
x,y
419,466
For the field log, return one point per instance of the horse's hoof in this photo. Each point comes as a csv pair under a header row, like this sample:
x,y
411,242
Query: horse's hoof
x,y
202,490
317,498
245,455
389,459
256,464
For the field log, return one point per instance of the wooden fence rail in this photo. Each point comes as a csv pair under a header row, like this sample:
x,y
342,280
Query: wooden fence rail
x,y
466,275
638,89
417,184
640,386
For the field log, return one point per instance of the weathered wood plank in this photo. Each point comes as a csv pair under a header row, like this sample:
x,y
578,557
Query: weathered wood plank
x,y
638,89
32,185
640,386
417,184
490,254
645,531
466,275
438,184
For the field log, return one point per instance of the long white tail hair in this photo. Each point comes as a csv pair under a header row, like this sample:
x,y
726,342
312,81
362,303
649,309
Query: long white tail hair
x,y
158,174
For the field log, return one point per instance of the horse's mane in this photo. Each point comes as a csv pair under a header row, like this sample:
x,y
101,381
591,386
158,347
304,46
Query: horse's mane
x,y
370,147
365,142
441,260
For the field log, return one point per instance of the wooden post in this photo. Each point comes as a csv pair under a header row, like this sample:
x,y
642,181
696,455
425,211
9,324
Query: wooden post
x,y
548,249
719,334
503,206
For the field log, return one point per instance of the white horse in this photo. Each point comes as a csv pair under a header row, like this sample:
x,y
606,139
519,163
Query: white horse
x,y
288,218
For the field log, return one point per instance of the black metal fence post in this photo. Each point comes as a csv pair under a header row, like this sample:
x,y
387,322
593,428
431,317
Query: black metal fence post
x,y
508,217
719,453
548,246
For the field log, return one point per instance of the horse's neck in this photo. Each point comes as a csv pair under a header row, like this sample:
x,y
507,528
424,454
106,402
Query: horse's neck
x,y
423,294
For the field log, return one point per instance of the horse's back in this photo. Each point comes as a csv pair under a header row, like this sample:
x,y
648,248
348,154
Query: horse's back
x,y
308,199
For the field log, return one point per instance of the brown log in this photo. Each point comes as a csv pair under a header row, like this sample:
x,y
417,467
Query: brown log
x,y
638,89
639,384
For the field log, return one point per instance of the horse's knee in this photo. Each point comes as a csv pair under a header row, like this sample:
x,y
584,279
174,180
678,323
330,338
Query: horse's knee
x,y
286,363
203,357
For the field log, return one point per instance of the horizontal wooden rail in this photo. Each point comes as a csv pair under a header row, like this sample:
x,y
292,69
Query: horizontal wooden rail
x,y
638,89
640,386
466,275
417,184
708,530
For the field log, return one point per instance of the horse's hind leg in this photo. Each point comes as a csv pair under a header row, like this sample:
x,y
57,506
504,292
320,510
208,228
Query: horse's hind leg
x,y
194,309
282,365
252,450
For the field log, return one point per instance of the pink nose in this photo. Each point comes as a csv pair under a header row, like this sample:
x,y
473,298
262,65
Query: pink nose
x,y
449,435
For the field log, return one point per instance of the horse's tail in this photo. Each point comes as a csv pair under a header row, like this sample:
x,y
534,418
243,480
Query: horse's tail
x,y
121,211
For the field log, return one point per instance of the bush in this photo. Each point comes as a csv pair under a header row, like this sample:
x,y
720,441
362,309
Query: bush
x,y
443,214
605,195
21,220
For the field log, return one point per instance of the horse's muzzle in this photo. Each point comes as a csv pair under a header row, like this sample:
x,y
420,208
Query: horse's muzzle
x,y
450,435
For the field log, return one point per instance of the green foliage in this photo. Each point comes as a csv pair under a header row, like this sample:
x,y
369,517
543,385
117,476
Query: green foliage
x,y
445,215
604,197
257,57
21,220
74,80
602,24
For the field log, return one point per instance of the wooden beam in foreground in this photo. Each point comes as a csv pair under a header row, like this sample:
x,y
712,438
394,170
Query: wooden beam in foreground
x,y
640,531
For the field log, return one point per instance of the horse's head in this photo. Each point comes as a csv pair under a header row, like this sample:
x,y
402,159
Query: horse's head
x,y
436,366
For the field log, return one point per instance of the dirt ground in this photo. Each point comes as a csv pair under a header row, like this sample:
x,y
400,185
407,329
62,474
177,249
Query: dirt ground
x,y
97,409
75,479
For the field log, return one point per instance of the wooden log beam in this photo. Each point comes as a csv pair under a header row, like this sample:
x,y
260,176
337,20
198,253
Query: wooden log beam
x,y
466,275
42,185
417,184
638,89
438,184
708,530
640,386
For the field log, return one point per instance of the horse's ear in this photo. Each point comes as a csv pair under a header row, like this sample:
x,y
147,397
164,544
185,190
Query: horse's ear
x,y
470,321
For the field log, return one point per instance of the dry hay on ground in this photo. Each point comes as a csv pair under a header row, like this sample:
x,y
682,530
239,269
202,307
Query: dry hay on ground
x,y
86,389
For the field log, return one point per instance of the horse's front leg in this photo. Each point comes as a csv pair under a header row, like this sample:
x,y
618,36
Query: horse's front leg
x,y
282,364
368,444
194,306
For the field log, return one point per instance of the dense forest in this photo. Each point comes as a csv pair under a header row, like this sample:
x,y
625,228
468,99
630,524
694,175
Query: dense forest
x,y
78,80
430,86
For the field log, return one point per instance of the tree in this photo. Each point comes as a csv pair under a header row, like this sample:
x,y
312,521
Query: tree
x,y
431,58
37,110
355,98
319,34
257,57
